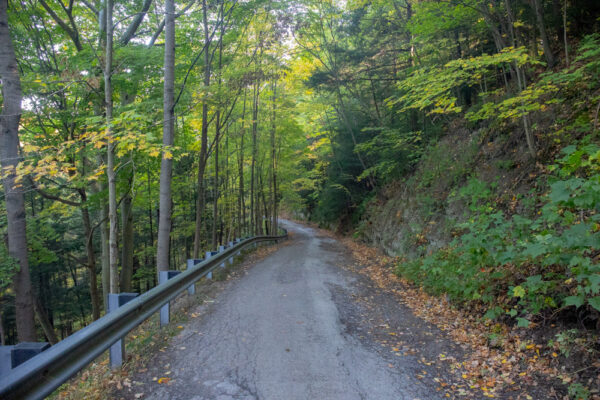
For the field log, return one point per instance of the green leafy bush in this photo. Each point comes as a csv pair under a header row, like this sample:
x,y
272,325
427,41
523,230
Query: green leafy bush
x,y
542,260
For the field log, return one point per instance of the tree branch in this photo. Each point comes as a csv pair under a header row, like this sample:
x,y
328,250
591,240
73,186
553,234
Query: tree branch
x,y
50,196
135,24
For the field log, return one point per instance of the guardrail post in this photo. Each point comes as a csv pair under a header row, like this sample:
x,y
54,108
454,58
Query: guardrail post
x,y
230,260
191,262
13,356
221,249
209,254
239,252
117,350
164,276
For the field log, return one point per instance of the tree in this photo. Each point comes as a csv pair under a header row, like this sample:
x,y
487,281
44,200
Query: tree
x,y
13,190
166,166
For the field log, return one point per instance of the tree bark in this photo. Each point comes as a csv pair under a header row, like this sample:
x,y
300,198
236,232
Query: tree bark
x,y
539,15
216,187
110,156
273,163
166,165
91,256
253,191
42,317
15,202
565,32
204,137
127,243
105,255
241,203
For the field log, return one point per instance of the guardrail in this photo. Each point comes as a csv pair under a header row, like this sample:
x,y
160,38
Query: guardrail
x,y
42,374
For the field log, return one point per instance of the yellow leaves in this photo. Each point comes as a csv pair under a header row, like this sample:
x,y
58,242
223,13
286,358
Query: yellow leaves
x,y
30,148
94,177
518,291
154,153
167,155
163,380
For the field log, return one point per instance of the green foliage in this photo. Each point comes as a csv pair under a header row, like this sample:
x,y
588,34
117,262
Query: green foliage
x,y
578,391
431,89
558,242
8,267
395,152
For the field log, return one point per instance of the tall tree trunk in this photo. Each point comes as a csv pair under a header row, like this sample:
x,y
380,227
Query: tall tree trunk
x,y
204,137
539,15
218,138
91,255
105,255
44,321
228,208
127,238
15,202
241,203
565,32
216,187
166,165
111,174
127,246
273,163
253,196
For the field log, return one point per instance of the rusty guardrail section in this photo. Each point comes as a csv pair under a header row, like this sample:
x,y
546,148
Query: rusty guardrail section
x,y
42,374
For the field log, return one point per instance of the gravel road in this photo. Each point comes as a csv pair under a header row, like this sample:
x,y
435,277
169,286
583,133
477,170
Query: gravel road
x,y
287,329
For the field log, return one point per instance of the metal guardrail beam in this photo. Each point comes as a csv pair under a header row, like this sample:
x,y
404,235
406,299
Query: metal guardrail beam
x,y
42,374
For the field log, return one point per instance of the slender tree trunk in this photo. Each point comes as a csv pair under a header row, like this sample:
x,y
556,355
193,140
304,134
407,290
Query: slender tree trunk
x,y
253,191
166,165
127,246
273,163
105,255
216,187
112,179
565,32
217,140
91,256
204,137
241,202
539,15
14,200
44,321
228,208
127,238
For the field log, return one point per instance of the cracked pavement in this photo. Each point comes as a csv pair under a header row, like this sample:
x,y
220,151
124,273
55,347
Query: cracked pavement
x,y
280,332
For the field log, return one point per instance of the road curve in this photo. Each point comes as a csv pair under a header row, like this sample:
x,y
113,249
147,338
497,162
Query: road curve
x,y
276,333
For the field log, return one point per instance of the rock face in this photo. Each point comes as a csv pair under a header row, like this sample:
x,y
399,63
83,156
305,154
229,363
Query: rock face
x,y
422,214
